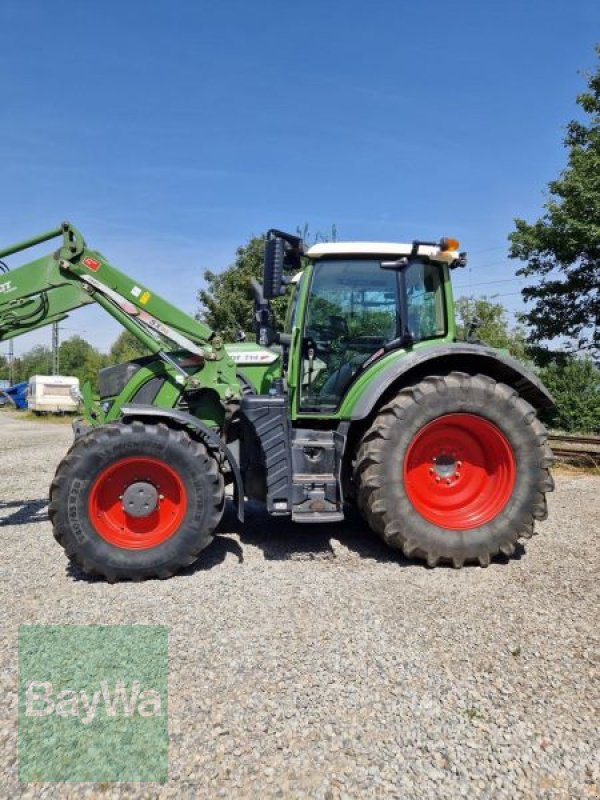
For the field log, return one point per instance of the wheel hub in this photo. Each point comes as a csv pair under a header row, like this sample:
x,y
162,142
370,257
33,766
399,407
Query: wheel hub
x,y
137,502
459,471
444,465
140,499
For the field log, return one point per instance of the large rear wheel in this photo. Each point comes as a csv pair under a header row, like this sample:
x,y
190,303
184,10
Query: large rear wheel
x,y
136,501
454,469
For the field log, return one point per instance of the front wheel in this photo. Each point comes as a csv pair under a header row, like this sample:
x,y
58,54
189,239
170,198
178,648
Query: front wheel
x,y
135,501
454,469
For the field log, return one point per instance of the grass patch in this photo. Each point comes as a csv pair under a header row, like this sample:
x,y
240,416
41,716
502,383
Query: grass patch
x,y
473,714
29,416
570,468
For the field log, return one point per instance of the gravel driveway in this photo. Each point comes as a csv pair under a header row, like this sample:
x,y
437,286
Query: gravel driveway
x,y
310,661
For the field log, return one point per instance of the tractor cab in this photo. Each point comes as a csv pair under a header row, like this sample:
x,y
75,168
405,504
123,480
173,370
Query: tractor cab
x,y
355,301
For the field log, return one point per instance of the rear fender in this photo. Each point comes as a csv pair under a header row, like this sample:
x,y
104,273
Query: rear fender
x,y
439,360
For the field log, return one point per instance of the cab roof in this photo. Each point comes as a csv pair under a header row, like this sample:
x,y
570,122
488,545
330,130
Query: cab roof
x,y
398,249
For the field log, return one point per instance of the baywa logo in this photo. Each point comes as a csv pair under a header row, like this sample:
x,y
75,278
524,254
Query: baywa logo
x,y
93,703
41,700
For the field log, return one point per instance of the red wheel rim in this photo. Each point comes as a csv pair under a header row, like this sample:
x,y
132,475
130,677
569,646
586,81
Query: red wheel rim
x,y
106,503
459,471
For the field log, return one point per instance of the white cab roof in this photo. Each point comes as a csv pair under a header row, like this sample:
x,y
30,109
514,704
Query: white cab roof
x,y
329,249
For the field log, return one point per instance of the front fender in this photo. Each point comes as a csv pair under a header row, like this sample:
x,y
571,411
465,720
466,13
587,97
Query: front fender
x,y
206,434
410,367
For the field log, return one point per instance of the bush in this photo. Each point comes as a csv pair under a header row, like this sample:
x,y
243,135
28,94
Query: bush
x,y
575,385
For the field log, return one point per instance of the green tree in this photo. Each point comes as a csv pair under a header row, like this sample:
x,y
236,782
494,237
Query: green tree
x,y
575,386
562,248
72,354
125,348
227,301
79,358
495,329
4,372
37,361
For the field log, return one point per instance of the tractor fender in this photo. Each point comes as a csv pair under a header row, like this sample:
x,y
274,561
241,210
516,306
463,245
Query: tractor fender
x,y
459,356
202,431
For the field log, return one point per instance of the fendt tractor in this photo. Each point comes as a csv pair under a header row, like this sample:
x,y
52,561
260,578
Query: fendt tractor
x,y
367,400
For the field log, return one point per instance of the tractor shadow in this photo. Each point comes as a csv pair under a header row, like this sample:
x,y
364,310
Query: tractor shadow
x,y
23,512
280,539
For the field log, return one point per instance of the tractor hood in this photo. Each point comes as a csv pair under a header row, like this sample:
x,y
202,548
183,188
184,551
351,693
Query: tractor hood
x,y
259,365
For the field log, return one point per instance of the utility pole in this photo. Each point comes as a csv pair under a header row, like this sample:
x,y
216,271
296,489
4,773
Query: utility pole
x,y
55,358
11,361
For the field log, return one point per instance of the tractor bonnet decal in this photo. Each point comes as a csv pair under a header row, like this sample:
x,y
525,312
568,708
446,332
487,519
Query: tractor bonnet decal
x,y
252,356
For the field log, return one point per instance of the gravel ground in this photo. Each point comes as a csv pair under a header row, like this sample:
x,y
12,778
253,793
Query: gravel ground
x,y
309,661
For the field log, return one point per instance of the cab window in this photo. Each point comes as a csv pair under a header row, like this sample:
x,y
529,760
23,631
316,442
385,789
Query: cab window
x,y
352,312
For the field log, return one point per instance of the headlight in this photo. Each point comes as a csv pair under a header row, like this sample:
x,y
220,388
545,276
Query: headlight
x,y
75,393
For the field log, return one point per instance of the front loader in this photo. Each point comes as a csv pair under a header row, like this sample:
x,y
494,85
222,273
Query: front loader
x,y
367,399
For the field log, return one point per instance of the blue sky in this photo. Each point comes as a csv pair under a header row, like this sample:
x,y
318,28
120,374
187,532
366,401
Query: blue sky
x,y
169,132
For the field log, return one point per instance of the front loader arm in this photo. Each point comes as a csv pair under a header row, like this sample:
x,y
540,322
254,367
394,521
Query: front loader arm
x,y
46,290
36,293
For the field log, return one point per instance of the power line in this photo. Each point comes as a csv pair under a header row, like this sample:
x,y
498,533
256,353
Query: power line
x,y
488,283
487,266
487,250
502,294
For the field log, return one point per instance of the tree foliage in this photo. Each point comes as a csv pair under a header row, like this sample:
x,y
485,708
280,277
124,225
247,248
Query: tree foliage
x,y
562,248
495,329
37,361
79,358
227,301
575,386
125,348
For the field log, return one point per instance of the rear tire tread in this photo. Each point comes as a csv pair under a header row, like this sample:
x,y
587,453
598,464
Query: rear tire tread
x,y
370,479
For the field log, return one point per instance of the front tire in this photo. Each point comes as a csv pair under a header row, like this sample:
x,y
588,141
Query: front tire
x,y
454,469
135,501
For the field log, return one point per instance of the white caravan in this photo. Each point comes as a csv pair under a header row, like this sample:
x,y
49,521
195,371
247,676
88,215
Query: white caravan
x,y
53,394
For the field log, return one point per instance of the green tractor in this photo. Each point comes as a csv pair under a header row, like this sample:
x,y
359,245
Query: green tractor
x,y
366,400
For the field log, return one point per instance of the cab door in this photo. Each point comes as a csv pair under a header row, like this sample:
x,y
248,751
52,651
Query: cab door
x,y
351,313
292,353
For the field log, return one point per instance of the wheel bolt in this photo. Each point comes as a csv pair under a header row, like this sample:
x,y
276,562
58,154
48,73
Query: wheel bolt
x,y
438,479
459,463
448,481
161,497
431,469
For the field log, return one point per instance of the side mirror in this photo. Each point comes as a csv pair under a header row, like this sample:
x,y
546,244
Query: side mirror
x,y
282,251
273,268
